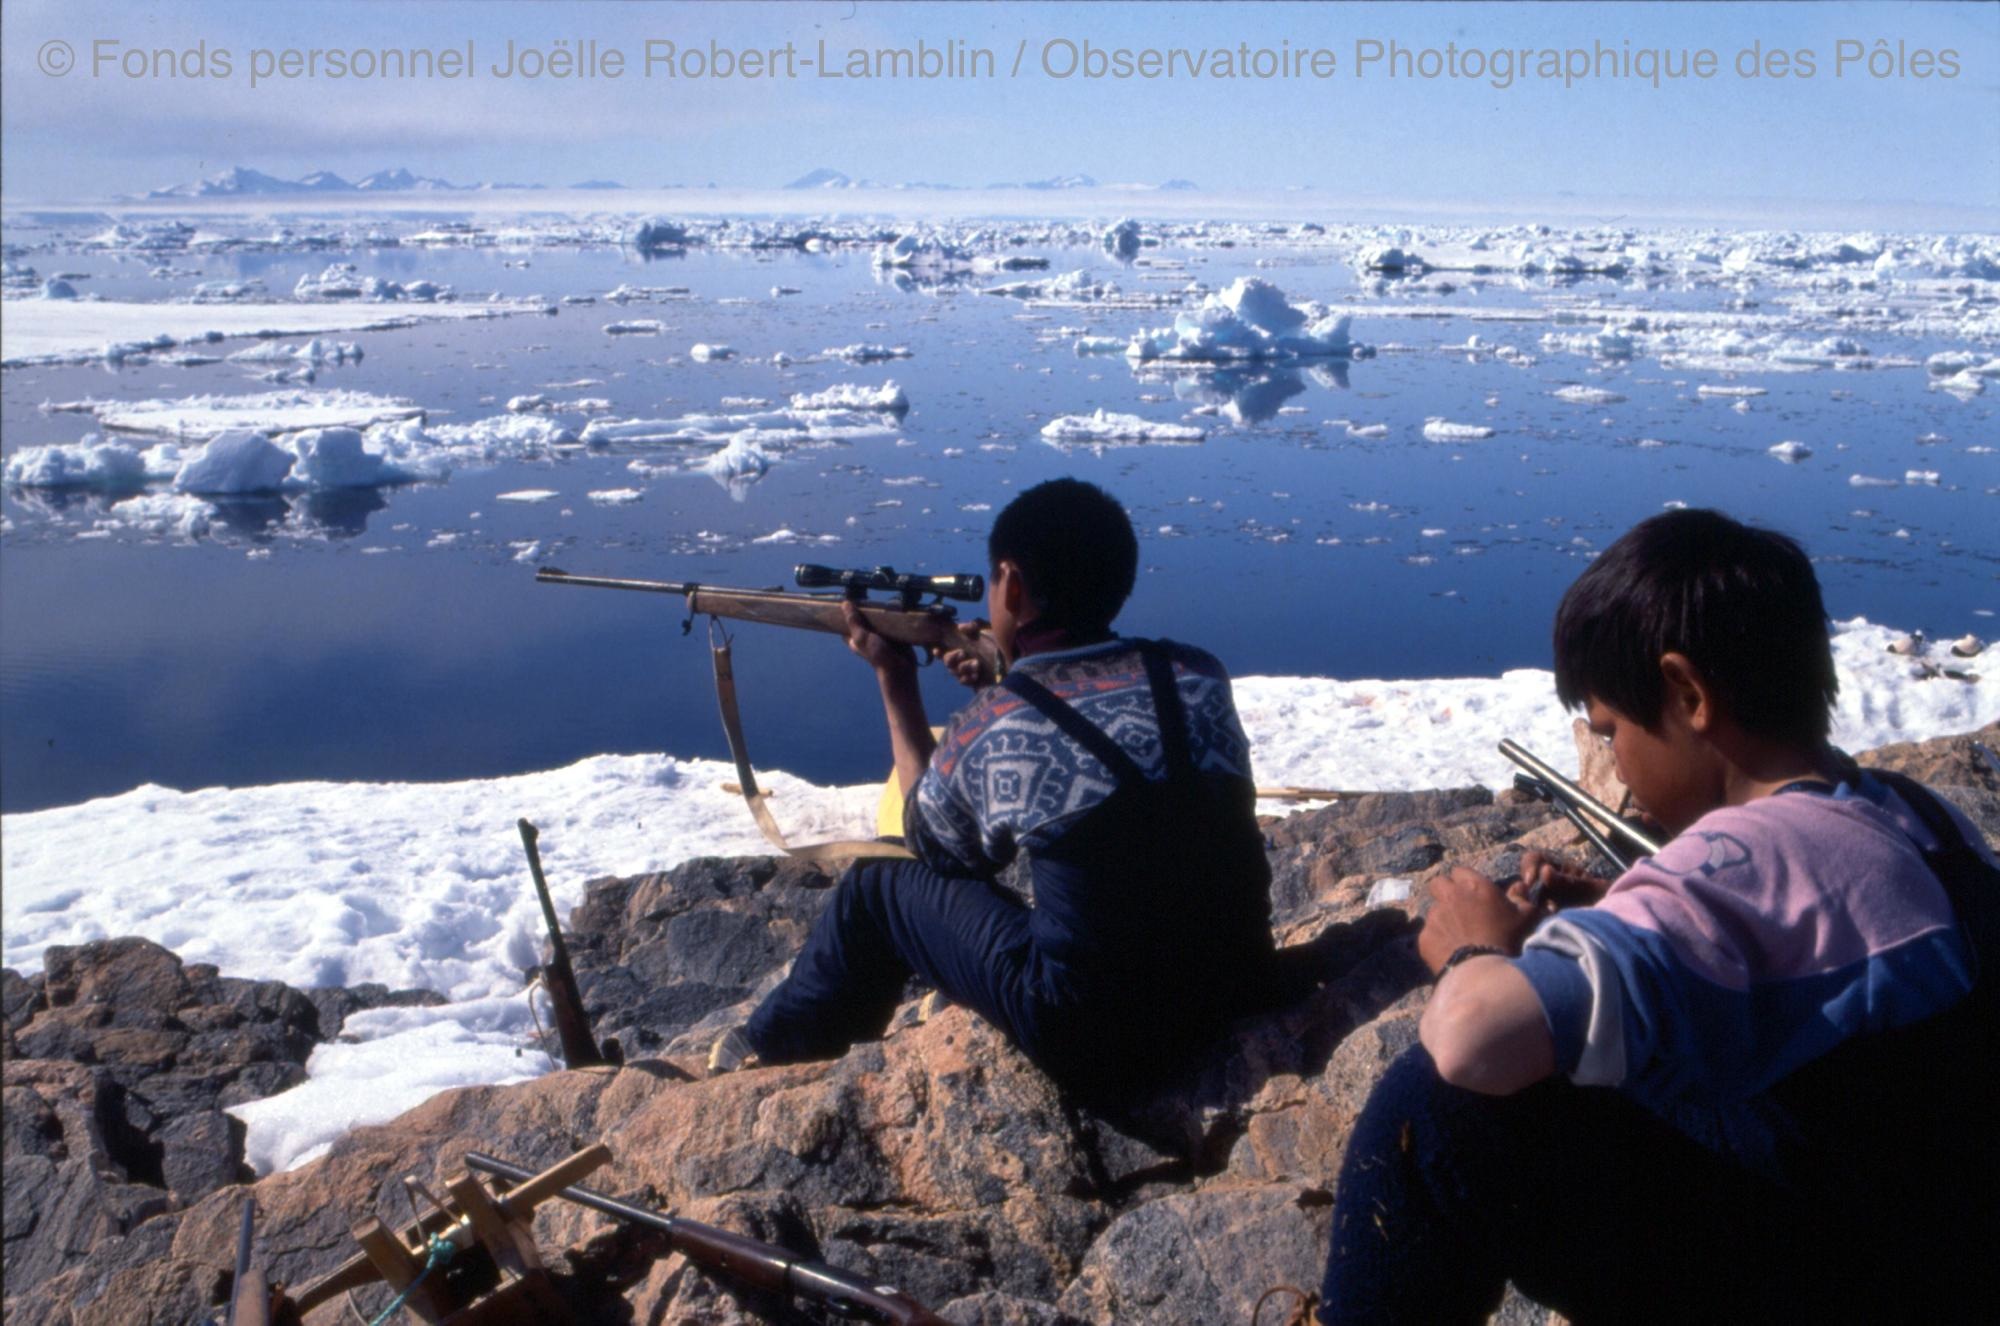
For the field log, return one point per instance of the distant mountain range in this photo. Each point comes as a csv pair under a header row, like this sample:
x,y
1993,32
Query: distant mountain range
x,y
241,181
827,178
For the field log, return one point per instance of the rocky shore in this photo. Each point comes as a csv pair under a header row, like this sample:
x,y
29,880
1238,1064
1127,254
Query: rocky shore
x,y
936,1159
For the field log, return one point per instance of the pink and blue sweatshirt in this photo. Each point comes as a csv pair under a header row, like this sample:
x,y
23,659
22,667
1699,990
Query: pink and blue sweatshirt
x,y
1756,941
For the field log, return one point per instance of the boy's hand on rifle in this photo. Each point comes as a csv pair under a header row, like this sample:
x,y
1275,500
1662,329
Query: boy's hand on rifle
x,y
883,654
964,663
1555,883
1468,908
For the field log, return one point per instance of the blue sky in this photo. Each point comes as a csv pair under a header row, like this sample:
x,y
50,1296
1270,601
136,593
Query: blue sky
x,y
1855,138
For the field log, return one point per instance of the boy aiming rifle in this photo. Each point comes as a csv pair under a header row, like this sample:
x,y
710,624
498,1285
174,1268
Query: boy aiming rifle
x,y
1118,766
1748,1081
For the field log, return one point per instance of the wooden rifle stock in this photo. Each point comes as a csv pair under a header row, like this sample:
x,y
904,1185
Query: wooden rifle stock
x,y
746,1261
935,627
579,1047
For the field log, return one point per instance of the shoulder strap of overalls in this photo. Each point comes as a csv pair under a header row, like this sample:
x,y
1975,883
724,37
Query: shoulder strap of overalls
x,y
1959,869
1166,705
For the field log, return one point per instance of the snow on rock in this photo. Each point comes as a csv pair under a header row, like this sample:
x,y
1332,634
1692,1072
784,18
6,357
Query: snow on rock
x,y
238,461
1250,319
1438,429
1104,426
91,463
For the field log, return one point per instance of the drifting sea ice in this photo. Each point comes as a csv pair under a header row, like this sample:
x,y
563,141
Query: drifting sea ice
x,y
1577,394
1438,429
867,353
846,396
1790,451
91,463
205,416
1104,426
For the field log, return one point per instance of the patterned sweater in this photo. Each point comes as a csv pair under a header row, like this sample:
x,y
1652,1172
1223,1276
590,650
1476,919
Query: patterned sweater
x,y
1004,779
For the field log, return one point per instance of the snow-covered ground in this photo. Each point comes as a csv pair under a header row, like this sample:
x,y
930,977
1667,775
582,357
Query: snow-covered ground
x,y
427,885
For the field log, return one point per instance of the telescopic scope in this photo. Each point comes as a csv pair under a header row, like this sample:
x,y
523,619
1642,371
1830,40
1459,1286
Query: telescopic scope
x,y
886,579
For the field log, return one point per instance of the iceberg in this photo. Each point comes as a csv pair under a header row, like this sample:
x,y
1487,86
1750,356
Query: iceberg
x,y
1249,319
238,461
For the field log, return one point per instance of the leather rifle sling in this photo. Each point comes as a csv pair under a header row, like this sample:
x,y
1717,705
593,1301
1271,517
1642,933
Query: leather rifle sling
x,y
732,729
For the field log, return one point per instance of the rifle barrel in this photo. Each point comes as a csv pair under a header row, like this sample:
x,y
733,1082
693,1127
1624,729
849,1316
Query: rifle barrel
x,y
549,575
1578,799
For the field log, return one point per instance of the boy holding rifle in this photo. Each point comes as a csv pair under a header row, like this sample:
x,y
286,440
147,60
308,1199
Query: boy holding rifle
x,y
1748,1082
1118,766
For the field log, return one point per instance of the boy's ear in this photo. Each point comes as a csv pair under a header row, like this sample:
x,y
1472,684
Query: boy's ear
x,y
1013,589
1686,692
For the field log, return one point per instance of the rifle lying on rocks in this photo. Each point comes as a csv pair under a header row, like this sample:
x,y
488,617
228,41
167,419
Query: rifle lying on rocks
x,y
1619,840
905,618
740,1260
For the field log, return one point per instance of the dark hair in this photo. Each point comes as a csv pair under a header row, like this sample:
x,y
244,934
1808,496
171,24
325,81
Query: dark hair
x,y
1075,547
1741,602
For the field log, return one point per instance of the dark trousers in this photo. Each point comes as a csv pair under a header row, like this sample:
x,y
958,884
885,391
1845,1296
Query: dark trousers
x,y
886,921
1593,1206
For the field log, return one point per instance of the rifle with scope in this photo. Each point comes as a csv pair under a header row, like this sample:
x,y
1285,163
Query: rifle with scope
x,y
906,618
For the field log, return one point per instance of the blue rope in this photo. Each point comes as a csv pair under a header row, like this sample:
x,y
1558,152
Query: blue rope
x,y
441,1250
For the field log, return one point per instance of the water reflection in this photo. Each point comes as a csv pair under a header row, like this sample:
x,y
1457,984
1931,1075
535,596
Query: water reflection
x,y
1243,394
339,513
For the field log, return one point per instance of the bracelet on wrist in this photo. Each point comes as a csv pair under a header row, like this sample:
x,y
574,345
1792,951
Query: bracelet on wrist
x,y
1465,951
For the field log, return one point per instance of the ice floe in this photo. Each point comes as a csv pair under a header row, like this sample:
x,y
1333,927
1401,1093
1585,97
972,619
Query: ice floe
x,y
206,415
1438,429
80,331
1104,426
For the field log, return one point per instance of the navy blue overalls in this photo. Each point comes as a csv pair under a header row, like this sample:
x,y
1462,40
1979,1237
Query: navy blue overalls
x,y
1150,927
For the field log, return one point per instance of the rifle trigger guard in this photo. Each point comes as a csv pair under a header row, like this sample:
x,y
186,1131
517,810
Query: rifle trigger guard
x,y
715,628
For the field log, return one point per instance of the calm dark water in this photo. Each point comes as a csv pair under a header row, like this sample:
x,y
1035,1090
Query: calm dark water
x,y
351,646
